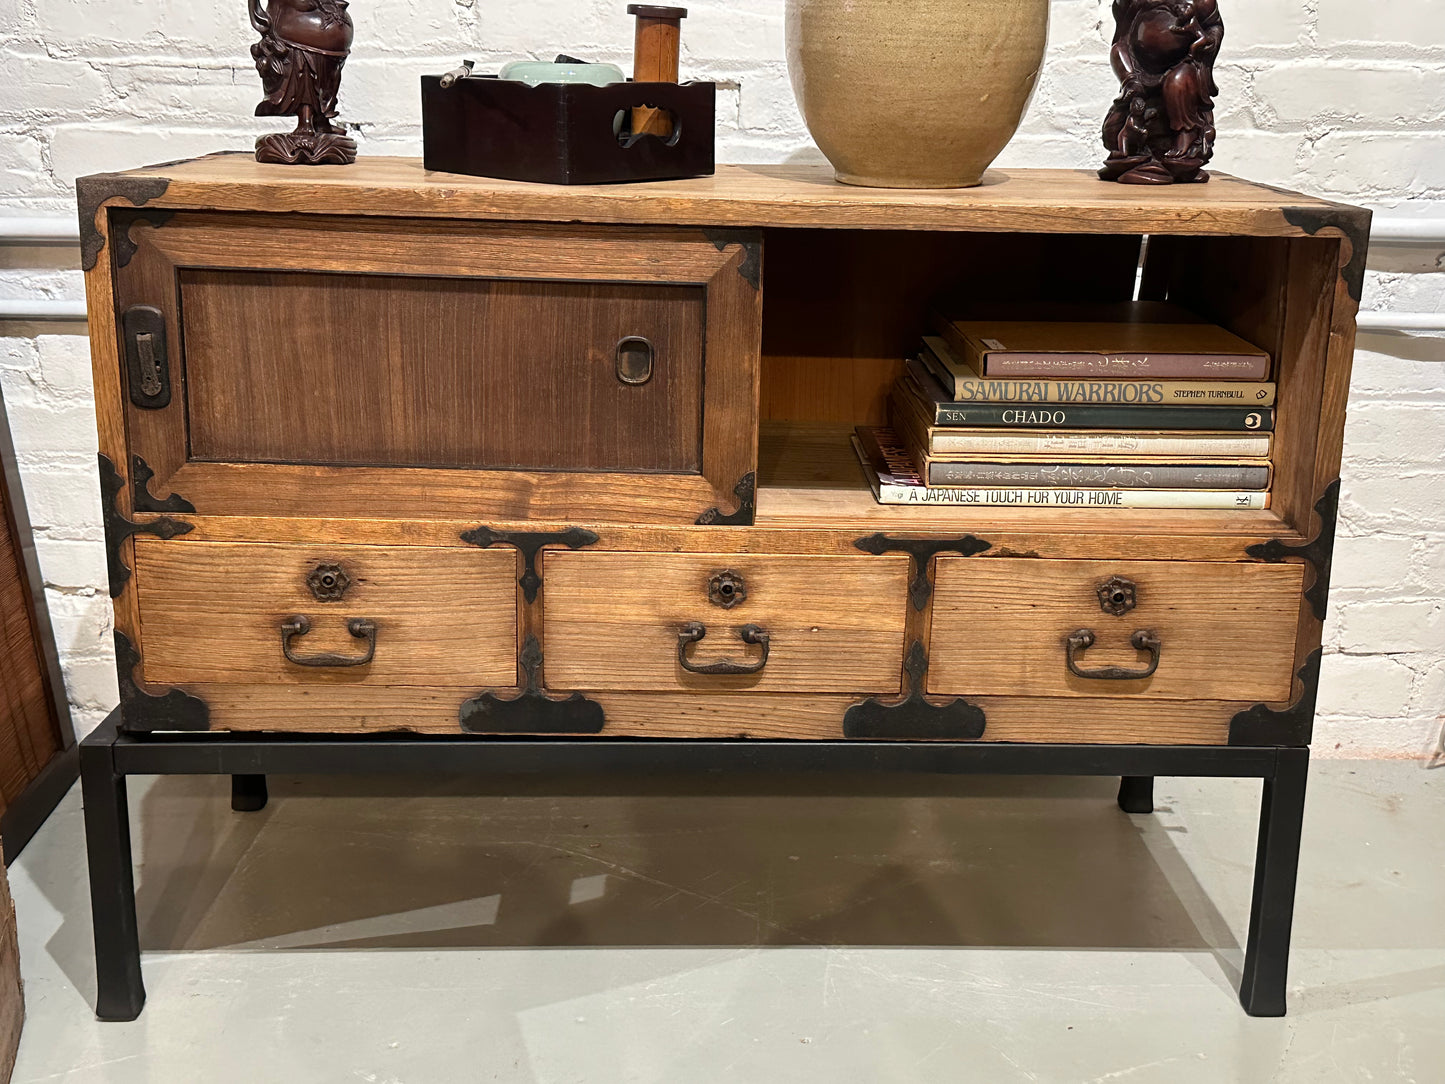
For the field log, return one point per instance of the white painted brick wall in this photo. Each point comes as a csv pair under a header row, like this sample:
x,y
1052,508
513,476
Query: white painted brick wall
x,y
1344,98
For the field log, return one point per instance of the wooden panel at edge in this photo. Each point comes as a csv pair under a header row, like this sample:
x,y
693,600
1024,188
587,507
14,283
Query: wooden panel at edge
x,y
341,710
28,733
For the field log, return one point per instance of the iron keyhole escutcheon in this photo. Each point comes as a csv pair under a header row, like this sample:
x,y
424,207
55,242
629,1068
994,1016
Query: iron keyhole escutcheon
x,y
726,589
1117,595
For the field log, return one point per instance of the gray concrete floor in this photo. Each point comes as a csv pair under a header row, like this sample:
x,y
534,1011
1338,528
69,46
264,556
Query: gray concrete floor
x,y
418,930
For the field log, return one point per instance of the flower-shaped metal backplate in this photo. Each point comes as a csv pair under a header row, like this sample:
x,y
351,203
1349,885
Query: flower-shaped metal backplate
x,y
328,582
726,589
1117,596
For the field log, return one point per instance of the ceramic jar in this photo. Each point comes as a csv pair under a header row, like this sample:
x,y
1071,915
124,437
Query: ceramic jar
x,y
914,93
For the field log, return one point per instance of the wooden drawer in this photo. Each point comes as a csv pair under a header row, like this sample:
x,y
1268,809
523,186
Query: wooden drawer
x,y
1001,627
617,620
214,612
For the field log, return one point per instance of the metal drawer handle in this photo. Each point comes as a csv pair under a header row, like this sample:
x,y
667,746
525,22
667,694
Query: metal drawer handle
x,y
299,625
1142,640
694,631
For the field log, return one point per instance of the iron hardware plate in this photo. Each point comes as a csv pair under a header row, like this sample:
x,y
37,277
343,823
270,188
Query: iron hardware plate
x,y
1117,595
121,226
1354,223
1293,725
328,582
141,499
751,269
746,492
727,589
922,551
147,356
531,711
1318,551
530,543
118,528
140,710
91,192
913,716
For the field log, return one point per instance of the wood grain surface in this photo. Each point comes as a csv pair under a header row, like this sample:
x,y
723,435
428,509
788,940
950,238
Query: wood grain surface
x,y
812,478
29,734
1276,293
423,287
1049,200
213,612
843,308
380,370
341,709
1227,630
671,280
835,623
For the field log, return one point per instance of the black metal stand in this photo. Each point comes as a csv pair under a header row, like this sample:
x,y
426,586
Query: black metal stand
x,y
1136,794
248,793
108,756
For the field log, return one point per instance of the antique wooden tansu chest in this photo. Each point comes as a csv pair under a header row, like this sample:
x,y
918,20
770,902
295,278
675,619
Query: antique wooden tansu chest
x,y
387,453
384,449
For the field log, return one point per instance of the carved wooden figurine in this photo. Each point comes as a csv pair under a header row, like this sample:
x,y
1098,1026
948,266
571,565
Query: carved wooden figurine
x,y
303,45
1160,129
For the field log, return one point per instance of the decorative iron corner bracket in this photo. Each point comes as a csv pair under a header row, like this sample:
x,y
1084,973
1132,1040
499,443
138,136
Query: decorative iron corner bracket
x,y
914,717
922,551
746,493
125,246
142,711
142,500
1353,222
118,528
1263,725
529,543
91,192
531,711
751,269
1319,551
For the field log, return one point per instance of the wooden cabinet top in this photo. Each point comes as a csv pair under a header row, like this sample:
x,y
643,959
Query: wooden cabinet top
x,y
1020,200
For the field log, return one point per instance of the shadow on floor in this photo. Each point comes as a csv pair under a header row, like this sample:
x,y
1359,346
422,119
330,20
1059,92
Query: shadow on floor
x,y
422,862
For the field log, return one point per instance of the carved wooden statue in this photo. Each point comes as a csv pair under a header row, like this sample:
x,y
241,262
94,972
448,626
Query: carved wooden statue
x,y
1160,129
303,45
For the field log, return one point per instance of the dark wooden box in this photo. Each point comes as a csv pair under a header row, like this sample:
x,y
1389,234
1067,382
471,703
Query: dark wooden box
x,y
568,133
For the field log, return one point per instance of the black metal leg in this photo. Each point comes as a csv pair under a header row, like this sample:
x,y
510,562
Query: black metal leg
x,y
248,793
1136,794
120,993
1276,864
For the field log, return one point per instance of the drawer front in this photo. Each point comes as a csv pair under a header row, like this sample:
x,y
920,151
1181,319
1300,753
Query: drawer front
x,y
1002,627
222,612
619,620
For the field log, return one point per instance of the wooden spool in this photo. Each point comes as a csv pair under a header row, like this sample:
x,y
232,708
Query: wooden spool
x,y
655,60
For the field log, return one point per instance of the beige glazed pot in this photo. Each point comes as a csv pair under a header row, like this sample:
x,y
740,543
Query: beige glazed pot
x,y
914,93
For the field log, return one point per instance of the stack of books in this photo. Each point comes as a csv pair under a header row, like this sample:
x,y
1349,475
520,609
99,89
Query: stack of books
x,y
1141,406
